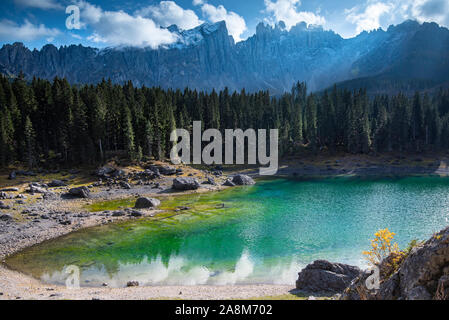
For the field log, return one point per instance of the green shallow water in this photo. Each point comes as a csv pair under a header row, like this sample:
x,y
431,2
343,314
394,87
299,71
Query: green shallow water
x,y
264,233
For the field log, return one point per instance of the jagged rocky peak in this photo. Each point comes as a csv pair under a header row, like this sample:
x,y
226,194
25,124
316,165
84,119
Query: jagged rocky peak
x,y
196,35
206,58
406,26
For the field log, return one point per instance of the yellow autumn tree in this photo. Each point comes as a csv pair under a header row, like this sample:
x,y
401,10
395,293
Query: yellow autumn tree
x,y
381,247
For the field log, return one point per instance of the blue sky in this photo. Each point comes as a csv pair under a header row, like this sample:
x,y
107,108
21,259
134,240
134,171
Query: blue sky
x,y
106,23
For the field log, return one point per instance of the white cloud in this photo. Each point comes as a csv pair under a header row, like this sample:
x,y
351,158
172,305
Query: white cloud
x,y
41,4
197,2
288,11
168,13
236,24
119,28
368,18
425,10
375,13
11,31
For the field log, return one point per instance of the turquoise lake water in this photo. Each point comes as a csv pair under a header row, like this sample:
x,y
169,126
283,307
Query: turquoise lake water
x,y
257,234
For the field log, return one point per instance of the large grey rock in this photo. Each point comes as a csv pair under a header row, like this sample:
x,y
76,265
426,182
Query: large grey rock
x,y
33,188
57,183
6,217
4,196
229,183
165,170
4,206
12,189
210,181
125,185
185,184
421,275
325,277
80,192
146,203
243,180
104,172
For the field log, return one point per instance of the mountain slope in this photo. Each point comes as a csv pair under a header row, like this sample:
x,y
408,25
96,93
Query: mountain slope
x,y
207,58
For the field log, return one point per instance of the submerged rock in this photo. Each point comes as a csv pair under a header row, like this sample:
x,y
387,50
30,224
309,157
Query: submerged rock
x,y
243,180
80,192
325,277
146,203
185,184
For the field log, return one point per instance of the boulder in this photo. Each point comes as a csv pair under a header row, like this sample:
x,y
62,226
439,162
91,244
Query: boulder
x,y
4,196
57,183
118,213
125,185
210,181
50,196
10,190
104,172
135,213
146,203
165,170
326,277
34,188
80,192
229,183
132,284
243,180
185,184
6,217
119,173
4,206
422,275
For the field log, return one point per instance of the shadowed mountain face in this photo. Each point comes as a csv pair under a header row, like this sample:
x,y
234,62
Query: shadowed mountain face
x,y
410,54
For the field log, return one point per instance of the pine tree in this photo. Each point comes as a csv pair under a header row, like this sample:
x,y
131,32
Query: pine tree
x,y
29,140
311,116
128,134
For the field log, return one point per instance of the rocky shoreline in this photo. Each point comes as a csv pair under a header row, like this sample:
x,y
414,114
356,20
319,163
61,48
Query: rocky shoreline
x,y
37,211
34,209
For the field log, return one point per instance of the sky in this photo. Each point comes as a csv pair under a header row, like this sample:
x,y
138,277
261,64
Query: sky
x,y
108,23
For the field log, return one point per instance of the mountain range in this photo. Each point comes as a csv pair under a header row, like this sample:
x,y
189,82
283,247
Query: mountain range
x,y
406,57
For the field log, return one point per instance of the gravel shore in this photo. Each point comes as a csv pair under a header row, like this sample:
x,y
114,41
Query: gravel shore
x,y
36,218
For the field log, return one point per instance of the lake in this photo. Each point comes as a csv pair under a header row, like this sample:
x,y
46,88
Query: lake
x,y
256,234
